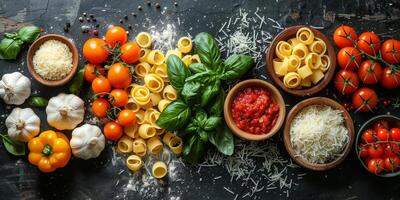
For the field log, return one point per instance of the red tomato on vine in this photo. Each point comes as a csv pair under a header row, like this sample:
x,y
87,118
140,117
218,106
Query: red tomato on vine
x,y
346,82
391,51
364,100
369,43
370,72
344,36
349,58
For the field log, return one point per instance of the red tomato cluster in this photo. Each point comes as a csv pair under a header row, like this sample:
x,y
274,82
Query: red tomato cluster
x,y
110,84
254,111
364,59
379,148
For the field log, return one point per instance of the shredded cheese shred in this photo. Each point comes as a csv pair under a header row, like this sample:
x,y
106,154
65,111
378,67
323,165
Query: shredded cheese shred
x,y
53,60
318,134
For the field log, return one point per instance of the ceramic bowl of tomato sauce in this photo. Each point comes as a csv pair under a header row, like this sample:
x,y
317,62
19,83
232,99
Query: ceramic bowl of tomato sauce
x,y
254,110
372,143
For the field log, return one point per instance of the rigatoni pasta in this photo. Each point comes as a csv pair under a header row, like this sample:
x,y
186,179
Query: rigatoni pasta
x,y
134,162
301,61
154,145
125,144
169,93
185,44
159,169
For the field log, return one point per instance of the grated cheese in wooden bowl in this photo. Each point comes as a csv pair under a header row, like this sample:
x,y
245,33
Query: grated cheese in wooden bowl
x,y
318,134
53,60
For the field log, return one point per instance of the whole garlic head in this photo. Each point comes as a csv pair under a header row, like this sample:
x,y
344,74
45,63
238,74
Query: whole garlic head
x,y
87,142
15,88
65,111
22,124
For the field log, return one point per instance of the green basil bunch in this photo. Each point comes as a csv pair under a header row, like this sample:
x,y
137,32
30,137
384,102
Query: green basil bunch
x,y
12,43
197,115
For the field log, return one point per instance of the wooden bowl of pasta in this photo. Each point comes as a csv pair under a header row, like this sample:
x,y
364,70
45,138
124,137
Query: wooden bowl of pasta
x,y
301,60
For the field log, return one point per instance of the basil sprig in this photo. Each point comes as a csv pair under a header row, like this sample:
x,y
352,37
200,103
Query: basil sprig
x,y
12,43
197,114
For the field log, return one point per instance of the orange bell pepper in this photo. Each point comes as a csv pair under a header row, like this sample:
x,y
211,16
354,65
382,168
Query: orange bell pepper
x,y
49,151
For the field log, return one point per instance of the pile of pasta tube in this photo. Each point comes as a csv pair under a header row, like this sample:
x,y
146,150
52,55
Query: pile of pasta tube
x,y
301,61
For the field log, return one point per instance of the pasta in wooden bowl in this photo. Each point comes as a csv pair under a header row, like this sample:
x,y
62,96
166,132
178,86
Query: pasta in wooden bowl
x,y
301,60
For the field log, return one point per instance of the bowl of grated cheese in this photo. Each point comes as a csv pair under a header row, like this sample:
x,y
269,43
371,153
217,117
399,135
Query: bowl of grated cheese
x,y
52,60
318,133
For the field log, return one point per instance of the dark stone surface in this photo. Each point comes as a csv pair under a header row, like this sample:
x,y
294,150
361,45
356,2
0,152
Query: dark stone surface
x,y
99,179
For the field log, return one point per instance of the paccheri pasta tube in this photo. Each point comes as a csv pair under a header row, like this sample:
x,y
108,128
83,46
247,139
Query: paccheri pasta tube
x,y
159,169
134,162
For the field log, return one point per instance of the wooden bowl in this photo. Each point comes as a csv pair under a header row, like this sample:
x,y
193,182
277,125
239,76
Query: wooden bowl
x,y
276,98
36,45
291,33
293,113
393,121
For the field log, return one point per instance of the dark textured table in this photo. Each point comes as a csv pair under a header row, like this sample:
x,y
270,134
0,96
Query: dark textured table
x,y
107,178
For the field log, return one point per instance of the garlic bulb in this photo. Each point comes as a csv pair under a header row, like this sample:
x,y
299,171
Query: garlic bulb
x,y
87,142
15,88
22,124
65,111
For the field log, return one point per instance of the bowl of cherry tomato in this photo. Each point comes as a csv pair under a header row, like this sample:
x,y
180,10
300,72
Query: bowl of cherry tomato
x,y
377,145
254,110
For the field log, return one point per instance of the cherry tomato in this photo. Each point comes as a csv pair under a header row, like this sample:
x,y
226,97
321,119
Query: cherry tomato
x,y
390,78
380,124
130,52
391,163
95,51
383,134
101,85
92,71
363,151
375,150
391,51
364,100
349,58
100,107
119,97
346,82
395,134
370,72
126,117
369,43
375,165
119,75
391,149
368,136
116,34
344,36
112,131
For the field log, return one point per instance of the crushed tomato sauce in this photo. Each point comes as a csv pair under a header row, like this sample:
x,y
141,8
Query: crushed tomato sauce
x,y
254,111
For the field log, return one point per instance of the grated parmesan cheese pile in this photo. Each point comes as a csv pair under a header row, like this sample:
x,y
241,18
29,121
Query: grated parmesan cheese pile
x,y
318,134
53,60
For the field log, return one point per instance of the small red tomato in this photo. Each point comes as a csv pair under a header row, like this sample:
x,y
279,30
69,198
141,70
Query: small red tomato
x,y
344,36
369,136
375,150
364,100
346,82
126,117
349,58
395,134
375,165
380,124
369,43
370,72
116,35
130,52
363,151
390,79
383,134
391,149
391,163
113,131
391,51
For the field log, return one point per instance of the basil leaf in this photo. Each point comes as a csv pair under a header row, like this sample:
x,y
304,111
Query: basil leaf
x,y
217,107
194,150
12,35
38,101
77,82
177,72
236,66
190,91
197,68
222,139
9,48
175,116
207,49
201,77
16,148
210,92
203,135
191,128
211,123
29,34
200,117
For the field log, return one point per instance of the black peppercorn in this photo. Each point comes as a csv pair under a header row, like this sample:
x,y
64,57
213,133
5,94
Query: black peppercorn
x,y
97,25
133,14
87,19
95,32
130,27
126,17
80,19
84,14
158,5
148,3
121,21
139,7
94,20
91,16
66,29
68,24
175,3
